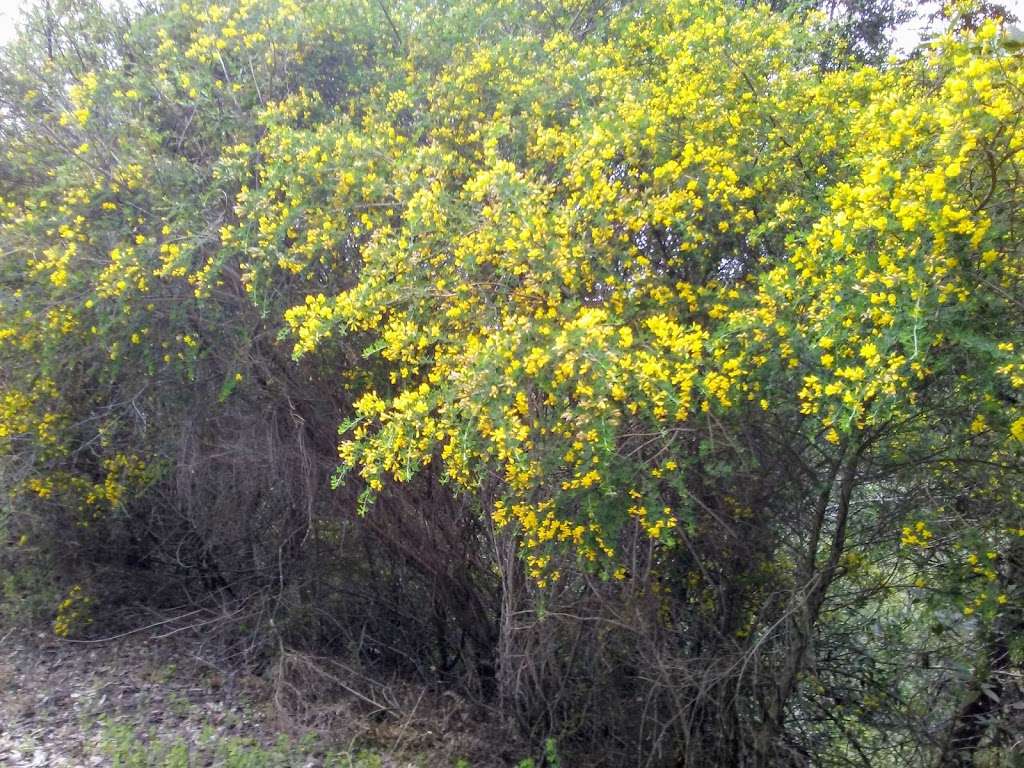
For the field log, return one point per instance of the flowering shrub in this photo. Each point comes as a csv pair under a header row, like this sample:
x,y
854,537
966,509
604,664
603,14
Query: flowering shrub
x,y
559,294
688,311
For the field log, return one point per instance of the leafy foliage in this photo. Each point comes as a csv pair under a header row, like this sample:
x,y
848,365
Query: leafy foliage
x,y
666,317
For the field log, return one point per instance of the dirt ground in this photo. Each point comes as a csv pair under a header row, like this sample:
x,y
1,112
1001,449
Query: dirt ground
x,y
55,697
61,701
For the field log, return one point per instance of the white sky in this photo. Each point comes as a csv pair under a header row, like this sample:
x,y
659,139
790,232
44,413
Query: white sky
x,y
8,12
906,36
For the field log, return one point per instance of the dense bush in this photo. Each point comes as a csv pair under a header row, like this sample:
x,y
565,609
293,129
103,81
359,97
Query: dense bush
x,y
651,375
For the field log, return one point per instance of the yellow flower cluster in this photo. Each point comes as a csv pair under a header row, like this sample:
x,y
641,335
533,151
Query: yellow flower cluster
x,y
73,612
545,262
556,327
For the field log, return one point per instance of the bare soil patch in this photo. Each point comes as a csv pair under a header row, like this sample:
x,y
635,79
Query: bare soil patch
x,y
57,697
